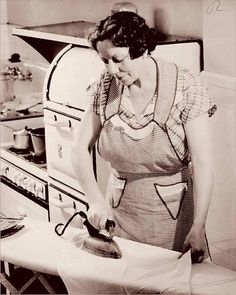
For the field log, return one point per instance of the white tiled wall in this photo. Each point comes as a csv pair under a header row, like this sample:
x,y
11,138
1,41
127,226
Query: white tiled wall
x,y
221,222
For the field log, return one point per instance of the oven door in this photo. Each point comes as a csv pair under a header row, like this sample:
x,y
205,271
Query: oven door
x,y
60,131
17,201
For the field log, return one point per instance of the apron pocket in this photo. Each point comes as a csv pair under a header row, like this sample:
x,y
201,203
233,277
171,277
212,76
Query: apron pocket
x,y
172,197
115,191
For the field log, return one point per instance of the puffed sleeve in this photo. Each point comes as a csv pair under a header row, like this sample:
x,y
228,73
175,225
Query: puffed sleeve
x,y
93,92
196,100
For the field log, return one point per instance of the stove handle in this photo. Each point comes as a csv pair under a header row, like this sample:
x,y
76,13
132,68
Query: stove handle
x,y
59,124
59,203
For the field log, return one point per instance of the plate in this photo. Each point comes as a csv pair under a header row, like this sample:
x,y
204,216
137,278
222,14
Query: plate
x,y
9,225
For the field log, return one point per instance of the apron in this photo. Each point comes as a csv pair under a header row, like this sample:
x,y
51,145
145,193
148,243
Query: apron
x,y
150,189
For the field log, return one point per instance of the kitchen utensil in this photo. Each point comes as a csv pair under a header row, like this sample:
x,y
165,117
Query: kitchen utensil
x,y
38,140
11,218
21,139
27,105
96,243
123,6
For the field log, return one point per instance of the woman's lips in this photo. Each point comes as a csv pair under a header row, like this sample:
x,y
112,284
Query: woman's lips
x,y
122,77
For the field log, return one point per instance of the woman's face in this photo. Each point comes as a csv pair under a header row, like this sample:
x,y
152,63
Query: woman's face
x,y
118,62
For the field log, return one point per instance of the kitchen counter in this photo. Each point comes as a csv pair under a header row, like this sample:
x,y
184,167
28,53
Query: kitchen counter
x,y
19,116
37,247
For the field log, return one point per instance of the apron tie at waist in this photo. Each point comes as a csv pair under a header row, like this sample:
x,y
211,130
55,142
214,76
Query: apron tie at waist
x,y
163,179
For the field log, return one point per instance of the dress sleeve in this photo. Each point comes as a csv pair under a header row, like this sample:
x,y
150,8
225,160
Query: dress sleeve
x,y
93,92
196,100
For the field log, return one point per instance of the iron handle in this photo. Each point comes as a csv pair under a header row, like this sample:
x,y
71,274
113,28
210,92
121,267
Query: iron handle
x,y
94,232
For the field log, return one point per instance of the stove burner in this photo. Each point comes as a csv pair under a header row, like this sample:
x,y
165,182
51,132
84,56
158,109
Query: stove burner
x,y
36,159
19,151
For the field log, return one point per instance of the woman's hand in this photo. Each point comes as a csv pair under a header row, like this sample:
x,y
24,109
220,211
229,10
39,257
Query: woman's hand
x,y
195,241
98,214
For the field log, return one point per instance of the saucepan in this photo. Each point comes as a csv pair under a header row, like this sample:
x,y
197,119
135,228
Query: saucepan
x,y
22,139
38,140
29,139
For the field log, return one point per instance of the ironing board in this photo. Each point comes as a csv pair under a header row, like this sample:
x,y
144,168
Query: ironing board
x,y
20,250
38,248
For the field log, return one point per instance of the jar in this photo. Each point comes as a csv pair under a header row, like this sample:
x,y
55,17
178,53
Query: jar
x,y
6,87
123,6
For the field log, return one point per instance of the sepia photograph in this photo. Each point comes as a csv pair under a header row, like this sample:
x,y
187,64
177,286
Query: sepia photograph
x,y
118,147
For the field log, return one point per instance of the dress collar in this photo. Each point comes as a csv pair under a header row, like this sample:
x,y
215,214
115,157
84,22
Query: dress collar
x,y
166,90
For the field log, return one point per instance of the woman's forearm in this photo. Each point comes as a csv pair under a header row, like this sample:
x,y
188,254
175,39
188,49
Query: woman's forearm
x,y
202,189
81,156
82,163
198,137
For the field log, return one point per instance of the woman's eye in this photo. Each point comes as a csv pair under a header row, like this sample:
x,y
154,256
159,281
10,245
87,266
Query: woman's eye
x,y
116,60
105,61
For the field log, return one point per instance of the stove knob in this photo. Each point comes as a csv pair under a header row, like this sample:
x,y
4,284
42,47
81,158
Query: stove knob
x,y
39,189
4,170
31,186
21,179
15,178
25,183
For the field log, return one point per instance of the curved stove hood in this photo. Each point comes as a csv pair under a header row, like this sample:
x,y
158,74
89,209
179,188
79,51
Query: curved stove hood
x,y
49,40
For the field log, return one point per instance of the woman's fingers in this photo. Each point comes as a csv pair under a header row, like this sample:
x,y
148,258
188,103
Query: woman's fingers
x,y
98,216
197,256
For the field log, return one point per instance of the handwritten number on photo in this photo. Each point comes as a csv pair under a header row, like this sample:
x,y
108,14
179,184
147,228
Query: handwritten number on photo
x,y
214,6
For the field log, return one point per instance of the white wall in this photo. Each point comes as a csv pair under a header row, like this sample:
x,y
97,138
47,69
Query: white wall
x,y
219,33
178,16
219,38
4,31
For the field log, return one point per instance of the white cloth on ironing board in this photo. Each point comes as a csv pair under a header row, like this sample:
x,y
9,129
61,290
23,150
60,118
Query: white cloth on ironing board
x,y
142,269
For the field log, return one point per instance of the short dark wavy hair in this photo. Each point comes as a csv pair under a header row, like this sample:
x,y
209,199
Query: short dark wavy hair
x,y
125,29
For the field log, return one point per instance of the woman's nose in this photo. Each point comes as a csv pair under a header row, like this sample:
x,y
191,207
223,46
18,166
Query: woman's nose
x,y
112,67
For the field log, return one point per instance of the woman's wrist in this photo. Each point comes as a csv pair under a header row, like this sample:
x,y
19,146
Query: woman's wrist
x,y
199,225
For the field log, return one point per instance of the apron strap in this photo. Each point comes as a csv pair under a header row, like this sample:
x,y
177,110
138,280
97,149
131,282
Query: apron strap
x,y
167,83
113,98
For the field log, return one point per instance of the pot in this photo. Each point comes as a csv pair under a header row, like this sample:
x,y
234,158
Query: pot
x,y
22,140
38,141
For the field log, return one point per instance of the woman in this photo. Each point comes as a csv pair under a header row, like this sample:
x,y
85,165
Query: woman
x,y
150,118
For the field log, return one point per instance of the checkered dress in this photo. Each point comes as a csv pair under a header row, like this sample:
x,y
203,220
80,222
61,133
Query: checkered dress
x,y
150,188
